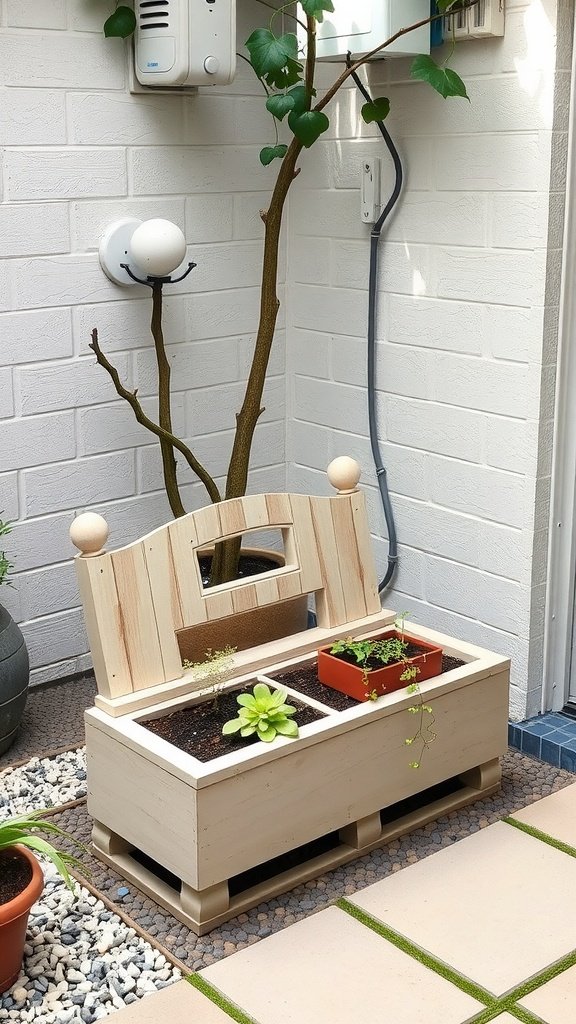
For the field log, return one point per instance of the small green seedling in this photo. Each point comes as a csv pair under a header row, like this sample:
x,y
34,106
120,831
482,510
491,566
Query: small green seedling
x,y
21,830
263,713
215,669
384,651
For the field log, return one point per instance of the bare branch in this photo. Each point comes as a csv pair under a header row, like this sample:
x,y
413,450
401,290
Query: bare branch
x,y
145,421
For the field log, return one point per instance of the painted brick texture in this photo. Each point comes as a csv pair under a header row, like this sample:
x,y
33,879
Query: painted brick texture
x,y
467,314
465,383
78,151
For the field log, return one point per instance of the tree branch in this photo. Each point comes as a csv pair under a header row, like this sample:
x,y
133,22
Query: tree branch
x,y
164,405
154,428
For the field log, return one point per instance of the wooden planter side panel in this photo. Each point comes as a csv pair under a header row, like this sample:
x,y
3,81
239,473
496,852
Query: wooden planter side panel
x,y
135,598
283,804
142,803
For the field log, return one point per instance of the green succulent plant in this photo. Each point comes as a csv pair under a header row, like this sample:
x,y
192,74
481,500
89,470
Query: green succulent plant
x,y
21,830
263,712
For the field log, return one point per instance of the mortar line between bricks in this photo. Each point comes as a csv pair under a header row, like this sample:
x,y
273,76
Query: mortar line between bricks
x,y
219,999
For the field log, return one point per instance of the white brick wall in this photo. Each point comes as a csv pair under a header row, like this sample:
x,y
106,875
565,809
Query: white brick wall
x,y
466,313
79,152
465,384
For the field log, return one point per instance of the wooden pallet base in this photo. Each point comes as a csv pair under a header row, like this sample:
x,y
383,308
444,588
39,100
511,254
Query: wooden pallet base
x,y
204,910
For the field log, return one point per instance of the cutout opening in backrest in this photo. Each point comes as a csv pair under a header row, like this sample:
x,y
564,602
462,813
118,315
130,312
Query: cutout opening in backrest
x,y
272,549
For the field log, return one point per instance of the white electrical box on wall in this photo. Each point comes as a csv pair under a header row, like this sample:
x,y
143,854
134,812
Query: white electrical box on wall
x,y
185,42
485,19
359,25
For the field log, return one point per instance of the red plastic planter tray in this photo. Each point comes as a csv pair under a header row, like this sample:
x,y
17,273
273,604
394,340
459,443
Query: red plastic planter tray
x,y
348,678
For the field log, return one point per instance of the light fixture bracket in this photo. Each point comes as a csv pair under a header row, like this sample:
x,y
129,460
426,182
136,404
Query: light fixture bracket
x,y
114,250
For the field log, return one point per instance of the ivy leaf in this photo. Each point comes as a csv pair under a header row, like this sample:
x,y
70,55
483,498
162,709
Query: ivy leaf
x,y
445,5
285,76
270,53
376,110
280,104
269,153
444,80
316,8
122,23
308,126
301,98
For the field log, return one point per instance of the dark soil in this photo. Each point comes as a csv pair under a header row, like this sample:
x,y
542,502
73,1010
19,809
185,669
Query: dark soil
x,y
249,565
305,680
15,875
197,730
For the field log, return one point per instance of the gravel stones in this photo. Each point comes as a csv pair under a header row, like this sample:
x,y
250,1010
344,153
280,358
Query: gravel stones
x,y
43,782
64,980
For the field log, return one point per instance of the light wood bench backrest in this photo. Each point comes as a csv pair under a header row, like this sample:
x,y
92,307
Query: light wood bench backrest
x,y
137,597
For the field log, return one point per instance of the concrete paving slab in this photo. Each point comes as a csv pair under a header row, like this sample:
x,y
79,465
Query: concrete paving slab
x,y
177,1004
555,1002
472,905
555,815
331,968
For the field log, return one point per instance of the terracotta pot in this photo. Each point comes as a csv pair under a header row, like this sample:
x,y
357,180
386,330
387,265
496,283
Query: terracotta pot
x,y
348,678
14,920
246,629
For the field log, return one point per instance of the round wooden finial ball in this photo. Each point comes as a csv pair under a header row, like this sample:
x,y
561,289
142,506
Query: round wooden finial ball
x,y
89,533
344,474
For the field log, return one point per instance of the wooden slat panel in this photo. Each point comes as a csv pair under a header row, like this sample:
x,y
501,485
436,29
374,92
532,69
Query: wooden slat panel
x,y
279,510
348,557
267,591
330,604
365,554
183,542
218,606
207,523
289,585
244,598
306,546
231,515
104,626
138,616
158,558
256,511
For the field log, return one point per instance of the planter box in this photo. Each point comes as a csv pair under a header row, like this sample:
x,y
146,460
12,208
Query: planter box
x,y
351,679
209,840
209,823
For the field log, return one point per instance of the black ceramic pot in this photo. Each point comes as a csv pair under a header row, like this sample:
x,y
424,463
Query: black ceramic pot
x,y
14,678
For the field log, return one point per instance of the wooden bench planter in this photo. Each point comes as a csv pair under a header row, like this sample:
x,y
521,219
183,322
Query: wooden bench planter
x,y
189,833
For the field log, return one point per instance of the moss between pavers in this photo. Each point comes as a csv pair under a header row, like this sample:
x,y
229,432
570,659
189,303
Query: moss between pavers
x,y
494,1006
522,826
220,1000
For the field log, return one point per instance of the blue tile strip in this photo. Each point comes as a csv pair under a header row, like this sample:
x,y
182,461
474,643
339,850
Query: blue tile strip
x,y
550,737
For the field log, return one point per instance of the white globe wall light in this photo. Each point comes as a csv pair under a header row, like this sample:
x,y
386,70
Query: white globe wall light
x,y
157,247
143,252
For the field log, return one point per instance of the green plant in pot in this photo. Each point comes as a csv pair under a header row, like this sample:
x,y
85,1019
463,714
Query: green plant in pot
x,y
14,664
287,73
22,881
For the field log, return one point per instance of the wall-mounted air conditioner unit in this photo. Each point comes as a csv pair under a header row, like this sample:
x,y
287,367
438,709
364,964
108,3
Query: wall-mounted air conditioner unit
x,y
185,42
360,25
